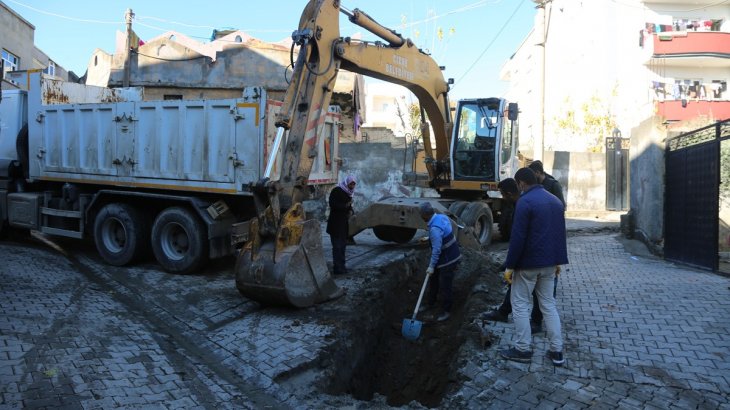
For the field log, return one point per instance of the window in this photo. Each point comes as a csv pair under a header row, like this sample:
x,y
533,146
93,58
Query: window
x,y
172,97
11,61
51,69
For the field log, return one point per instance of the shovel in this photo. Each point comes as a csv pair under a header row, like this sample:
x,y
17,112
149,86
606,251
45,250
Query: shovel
x,y
412,327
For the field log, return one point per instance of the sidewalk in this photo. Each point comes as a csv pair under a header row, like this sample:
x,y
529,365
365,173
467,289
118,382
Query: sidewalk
x,y
638,333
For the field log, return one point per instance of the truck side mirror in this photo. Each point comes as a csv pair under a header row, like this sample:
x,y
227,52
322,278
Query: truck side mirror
x,y
512,111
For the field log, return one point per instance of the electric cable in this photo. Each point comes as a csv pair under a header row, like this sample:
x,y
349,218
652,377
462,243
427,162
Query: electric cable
x,y
496,36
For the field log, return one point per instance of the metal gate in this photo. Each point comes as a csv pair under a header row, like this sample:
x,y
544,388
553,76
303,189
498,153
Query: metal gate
x,y
617,173
692,185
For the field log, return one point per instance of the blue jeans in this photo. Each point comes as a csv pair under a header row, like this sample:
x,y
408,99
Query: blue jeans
x,y
541,280
441,283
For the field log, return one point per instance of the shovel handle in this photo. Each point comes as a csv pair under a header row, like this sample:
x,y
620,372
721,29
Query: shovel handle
x,y
418,304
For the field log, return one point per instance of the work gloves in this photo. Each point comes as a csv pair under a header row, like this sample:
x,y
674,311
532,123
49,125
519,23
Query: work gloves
x,y
508,275
557,270
430,270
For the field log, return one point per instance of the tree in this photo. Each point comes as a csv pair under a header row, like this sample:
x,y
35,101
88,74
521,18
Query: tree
x,y
593,122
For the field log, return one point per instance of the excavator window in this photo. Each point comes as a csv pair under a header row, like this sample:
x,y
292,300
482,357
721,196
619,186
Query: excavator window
x,y
477,133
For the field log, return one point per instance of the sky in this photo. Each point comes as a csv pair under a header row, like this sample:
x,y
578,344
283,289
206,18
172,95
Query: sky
x,y
472,38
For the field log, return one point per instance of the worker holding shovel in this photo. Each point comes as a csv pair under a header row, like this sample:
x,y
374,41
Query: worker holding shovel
x,y
445,257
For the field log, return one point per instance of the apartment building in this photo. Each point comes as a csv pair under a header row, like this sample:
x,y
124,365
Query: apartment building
x,y
614,65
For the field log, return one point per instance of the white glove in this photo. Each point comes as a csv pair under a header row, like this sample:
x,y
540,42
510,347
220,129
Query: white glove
x,y
429,271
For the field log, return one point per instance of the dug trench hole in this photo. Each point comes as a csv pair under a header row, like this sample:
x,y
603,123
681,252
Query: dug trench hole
x,y
378,360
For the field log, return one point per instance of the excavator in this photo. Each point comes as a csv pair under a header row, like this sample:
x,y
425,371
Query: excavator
x,y
282,261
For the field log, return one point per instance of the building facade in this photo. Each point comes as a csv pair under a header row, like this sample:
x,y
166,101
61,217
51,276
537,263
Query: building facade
x,y
643,70
19,51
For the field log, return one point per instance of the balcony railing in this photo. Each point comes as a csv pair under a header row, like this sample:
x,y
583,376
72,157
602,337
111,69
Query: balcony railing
x,y
682,110
692,44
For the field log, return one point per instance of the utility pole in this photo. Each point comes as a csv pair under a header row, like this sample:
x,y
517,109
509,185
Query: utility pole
x,y
541,32
128,48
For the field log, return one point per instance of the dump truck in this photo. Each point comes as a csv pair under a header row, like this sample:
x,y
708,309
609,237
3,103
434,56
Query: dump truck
x,y
171,176
282,260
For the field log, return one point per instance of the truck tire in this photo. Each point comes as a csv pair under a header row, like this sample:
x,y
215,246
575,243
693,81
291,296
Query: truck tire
x,y
478,215
179,240
395,234
120,234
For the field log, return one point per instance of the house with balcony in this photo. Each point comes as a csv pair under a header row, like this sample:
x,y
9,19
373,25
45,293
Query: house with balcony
x,y
688,52
644,70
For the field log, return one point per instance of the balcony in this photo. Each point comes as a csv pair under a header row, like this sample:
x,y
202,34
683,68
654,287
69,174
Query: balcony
x,y
682,110
693,48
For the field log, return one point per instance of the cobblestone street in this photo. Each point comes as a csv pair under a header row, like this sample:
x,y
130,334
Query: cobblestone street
x,y
639,333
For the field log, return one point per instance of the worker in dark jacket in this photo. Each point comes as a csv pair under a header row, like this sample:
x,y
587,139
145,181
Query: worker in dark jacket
x,y
340,202
510,193
537,248
445,257
548,181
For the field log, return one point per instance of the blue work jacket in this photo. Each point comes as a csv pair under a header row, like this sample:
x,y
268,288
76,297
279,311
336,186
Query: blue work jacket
x,y
444,247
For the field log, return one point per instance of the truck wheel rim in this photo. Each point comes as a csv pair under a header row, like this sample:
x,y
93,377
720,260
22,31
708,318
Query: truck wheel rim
x,y
175,241
114,235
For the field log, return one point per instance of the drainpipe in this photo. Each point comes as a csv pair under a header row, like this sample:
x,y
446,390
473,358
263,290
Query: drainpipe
x,y
540,30
127,48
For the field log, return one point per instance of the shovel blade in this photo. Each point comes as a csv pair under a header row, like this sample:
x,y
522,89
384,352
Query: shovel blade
x,y
411,329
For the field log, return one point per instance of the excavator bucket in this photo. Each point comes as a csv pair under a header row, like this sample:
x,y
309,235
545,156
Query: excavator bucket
x,y
290,270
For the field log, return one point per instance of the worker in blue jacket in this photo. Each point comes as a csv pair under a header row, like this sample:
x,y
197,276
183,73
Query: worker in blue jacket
x,y
537,248
445,257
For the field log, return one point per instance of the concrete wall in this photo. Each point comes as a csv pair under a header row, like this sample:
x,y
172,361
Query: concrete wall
x,y
582,175
379,167
646,172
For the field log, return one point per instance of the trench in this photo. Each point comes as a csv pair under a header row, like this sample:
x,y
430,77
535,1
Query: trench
x,y
378,360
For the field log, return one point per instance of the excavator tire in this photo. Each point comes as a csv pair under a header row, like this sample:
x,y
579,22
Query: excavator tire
x,y
457,208
395,234
478,216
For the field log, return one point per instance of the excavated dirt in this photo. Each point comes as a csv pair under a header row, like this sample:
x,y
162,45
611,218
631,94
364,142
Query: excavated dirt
x,y
376,360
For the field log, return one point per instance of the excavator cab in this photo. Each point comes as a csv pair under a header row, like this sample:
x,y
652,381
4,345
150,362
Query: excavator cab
x,y
484,143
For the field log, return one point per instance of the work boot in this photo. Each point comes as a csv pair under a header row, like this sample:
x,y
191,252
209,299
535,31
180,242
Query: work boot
x,y
556,357
516,355
495,316
443,316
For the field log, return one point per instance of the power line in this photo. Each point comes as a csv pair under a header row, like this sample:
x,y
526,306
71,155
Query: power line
x,y
65,17
496,36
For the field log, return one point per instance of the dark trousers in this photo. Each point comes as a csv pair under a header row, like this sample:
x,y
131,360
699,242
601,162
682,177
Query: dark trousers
x,y
506,307
441,284
338,255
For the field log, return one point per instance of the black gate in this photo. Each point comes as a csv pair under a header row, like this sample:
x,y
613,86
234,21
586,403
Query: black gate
x,y
691,205
617,173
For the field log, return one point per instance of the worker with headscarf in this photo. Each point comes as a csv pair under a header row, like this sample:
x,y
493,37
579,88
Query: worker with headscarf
x,y
340,202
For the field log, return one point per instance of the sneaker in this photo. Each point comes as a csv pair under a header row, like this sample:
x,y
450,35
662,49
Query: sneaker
x,y
556,357
535,328
443,316
516,355
495,316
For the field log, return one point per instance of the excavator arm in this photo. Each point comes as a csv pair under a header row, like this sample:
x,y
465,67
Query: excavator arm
x,y
283,261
